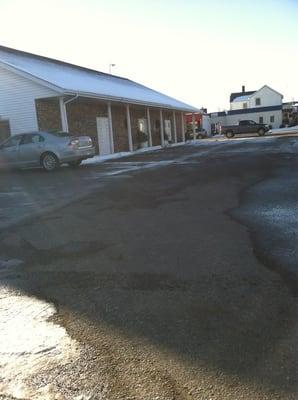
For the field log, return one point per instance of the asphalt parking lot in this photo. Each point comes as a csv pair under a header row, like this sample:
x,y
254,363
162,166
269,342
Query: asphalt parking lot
x,y
163,275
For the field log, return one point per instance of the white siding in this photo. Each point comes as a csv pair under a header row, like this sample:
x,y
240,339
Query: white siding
x,y
215,119
268,98
17,100
206,124
234,119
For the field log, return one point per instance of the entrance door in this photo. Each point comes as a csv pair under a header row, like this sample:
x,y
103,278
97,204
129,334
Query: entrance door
x,y
103,135
168,129
143,126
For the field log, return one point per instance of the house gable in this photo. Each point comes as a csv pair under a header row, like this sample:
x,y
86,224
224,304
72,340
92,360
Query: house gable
x,y
267,97
17,100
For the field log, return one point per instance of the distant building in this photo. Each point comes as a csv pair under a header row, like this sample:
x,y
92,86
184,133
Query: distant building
x,y
290,113
201,120
262,106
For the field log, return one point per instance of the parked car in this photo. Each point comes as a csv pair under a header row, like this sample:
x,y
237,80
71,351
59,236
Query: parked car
x,y
200,134
45,149
245,126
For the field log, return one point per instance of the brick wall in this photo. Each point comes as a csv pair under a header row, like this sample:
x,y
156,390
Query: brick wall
x,y
155,127
82,116
48,114
120,128
179,127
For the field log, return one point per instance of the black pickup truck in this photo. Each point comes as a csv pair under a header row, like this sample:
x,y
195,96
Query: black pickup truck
x,y
246,126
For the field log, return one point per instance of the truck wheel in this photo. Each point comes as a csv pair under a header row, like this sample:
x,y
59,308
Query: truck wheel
x,y
261,132
229,134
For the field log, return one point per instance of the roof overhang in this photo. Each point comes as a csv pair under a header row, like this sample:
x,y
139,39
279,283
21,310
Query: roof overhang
x,y
125,100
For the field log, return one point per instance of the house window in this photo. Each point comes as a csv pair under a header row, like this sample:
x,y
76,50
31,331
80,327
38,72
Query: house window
x,y
261,120
244,105
272,118
258,101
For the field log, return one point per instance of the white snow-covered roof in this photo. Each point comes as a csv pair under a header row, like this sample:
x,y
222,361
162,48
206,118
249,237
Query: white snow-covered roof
x,y
242,98
69,78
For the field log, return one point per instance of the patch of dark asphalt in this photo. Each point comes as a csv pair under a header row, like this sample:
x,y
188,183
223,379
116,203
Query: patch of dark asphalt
x,y
43,280
14,244
268,208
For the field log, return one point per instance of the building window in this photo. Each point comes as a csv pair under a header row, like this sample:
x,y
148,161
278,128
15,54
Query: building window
x,y
258,101
244,105
272,118
261,120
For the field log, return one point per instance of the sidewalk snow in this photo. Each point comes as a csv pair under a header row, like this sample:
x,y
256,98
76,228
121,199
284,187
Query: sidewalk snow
x,y
100,159
279,131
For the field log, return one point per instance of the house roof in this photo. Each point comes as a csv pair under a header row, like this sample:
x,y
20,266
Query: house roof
x,y
236,95
242,98
72,79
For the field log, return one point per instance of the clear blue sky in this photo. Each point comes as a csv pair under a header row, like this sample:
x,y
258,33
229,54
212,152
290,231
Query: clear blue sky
x,y
198,51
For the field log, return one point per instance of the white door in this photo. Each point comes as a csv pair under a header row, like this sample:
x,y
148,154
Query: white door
x,y
143,126
168,129
103,135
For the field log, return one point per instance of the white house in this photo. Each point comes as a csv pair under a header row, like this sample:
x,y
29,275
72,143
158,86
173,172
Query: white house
x,y
262,106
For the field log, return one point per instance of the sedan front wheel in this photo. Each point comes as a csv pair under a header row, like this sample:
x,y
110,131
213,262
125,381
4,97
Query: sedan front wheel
x,y
49,162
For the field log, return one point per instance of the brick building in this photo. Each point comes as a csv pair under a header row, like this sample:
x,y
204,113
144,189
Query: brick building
x,y
39,93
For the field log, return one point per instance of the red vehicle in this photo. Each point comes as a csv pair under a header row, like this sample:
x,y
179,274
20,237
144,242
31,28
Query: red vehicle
x,y
198,120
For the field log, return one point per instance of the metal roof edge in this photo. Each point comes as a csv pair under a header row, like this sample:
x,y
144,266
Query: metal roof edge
x,y
130,101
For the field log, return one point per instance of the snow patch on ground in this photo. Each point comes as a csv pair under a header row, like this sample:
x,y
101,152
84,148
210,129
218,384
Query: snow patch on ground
x,y
100,159
9,263
30,344
279,131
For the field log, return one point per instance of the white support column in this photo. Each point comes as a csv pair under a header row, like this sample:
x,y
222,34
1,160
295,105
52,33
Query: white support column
x,y
193,126
130,145
182,127
149,127
162,136
63,115
174,127
111,127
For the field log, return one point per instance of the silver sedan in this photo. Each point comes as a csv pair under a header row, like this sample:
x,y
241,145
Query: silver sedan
x,y
45,149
